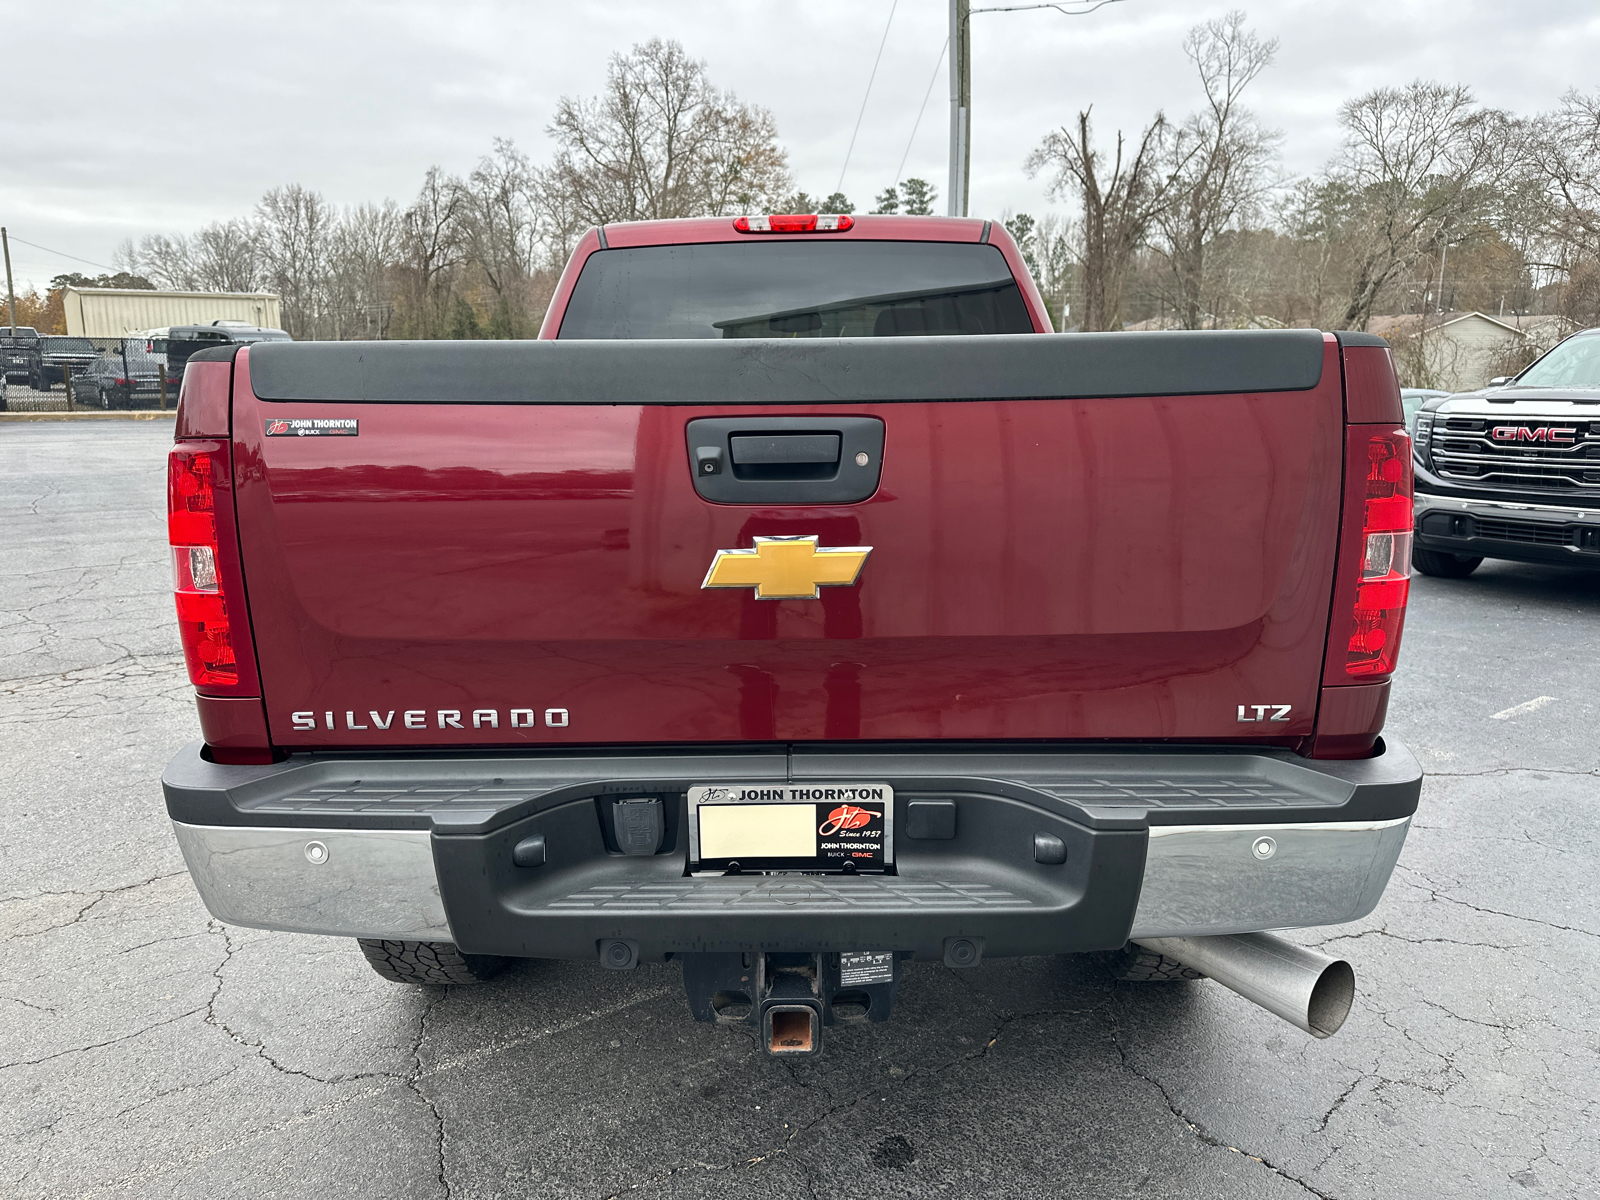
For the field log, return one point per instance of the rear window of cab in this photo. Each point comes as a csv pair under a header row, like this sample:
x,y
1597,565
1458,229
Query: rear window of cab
x,y
795,289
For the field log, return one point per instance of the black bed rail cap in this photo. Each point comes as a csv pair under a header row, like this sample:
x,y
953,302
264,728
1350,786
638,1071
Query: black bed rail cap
x,y
792,370
1358,337
215,353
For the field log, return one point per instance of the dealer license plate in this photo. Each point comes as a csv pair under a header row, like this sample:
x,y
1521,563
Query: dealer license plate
x,y
792,827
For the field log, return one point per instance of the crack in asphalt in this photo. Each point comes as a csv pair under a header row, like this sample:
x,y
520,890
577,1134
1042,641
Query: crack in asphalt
x,y
1322,1125
1200,1131
1437,892
36,1007
1588,773
1384,931
1450,1012
1442,1090
258,1046
126,1037
98,894
175,937
413,1082
190,1086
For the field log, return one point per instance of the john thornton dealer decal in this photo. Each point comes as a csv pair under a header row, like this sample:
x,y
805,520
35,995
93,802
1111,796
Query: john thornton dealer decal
x,y
313,427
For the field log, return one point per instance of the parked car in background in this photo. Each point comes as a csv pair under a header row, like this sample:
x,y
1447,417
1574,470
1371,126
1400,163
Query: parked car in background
x,y
125,376
17,345
155,342
183,340
1412,400
53,357
1513,470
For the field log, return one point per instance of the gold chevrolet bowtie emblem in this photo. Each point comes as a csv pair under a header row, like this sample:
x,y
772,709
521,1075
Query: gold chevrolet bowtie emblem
x,y
787,568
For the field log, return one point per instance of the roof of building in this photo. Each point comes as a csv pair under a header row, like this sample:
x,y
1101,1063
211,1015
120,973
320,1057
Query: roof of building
x,y
1404,325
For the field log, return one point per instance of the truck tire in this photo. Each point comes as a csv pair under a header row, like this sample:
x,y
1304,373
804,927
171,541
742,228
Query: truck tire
x,y
1135,964
1443,564
428,963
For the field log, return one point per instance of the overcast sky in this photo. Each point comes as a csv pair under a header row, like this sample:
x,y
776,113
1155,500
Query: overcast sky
x,y
129,117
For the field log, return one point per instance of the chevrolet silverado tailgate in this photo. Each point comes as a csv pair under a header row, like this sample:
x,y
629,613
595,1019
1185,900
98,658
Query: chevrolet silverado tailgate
x,y
1067,536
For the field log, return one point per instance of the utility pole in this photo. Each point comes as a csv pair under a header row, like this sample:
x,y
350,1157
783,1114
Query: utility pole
x,y
1444,251
961,88
11,294
960,107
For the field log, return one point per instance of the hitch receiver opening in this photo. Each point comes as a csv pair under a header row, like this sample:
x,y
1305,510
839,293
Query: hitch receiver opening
x,y
792,1029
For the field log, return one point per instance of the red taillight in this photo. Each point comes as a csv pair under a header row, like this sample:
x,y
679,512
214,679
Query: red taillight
x,y
208,645
793,223
1384,567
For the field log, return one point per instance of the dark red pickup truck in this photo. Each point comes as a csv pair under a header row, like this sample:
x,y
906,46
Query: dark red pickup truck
x,y
795,606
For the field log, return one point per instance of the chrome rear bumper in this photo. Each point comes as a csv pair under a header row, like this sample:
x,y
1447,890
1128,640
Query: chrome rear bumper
x,y
1197,879
1211,879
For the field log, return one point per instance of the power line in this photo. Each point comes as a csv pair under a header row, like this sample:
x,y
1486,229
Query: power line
x,y
931,81
863,112
1094,6
62,253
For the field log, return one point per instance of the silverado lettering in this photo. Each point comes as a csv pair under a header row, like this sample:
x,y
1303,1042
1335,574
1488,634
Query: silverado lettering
x,y
417,718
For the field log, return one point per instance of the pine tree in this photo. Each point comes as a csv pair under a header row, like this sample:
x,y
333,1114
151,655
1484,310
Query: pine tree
x,y
800,202
837,203
1021,228
888,202
919,197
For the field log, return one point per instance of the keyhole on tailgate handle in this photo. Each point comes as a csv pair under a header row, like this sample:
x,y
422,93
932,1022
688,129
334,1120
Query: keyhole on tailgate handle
x,y
863,458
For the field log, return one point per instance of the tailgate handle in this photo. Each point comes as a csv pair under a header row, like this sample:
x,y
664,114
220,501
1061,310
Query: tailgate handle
x,y
815,459
774,449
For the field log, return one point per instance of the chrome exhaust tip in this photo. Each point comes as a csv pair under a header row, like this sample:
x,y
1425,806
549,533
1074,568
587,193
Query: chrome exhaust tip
x,y
1309,990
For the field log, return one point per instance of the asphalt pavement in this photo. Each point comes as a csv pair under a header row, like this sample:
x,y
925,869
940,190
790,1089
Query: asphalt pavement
x,y
148,1050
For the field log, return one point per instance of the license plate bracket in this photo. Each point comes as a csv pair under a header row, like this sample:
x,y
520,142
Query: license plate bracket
x,y
819,827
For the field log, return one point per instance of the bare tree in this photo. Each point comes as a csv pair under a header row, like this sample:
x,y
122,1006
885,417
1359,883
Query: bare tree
x,y
1568,158
500,227
222,257
432,245
663,142
745,166
1218,162
1046,248
294,226
165,261
226,257
366,243
1411,173
1117,209
1561,210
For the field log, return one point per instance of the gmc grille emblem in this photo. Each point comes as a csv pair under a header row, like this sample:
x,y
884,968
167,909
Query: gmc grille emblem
x,y
1544,433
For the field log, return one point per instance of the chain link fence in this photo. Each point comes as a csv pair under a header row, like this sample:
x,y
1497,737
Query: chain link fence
x,y
66,374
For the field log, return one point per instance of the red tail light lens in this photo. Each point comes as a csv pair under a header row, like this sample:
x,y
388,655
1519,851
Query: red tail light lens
x,y
794,223
208,647
1384,583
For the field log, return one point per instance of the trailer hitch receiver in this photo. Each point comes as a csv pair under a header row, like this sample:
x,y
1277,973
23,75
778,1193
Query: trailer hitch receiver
x,y
788,998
